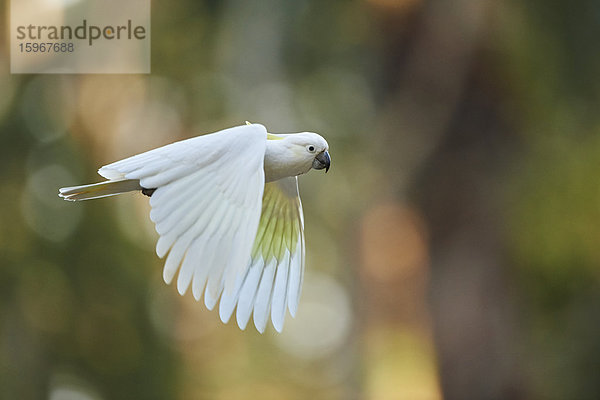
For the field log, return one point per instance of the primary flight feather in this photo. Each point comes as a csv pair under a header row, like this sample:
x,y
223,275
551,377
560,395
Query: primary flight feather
x,y
228,214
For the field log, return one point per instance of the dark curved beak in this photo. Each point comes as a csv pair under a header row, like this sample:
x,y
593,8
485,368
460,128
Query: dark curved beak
x,y
321,161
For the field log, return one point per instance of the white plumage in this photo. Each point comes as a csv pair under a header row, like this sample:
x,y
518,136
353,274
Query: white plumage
x,y
228,214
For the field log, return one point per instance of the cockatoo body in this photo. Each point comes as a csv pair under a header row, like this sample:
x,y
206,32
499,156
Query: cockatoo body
x,y
228,214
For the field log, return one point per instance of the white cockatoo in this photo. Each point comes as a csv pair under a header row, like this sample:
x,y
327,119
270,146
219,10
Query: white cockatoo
x,y
228,214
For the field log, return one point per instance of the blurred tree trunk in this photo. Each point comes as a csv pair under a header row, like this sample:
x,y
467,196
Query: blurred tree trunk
x,y
441,99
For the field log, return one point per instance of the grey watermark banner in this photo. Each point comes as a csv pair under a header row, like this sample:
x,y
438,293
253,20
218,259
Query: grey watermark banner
x,y
80,36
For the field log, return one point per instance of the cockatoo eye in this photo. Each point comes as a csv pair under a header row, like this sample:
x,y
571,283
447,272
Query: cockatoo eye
x,y
311,148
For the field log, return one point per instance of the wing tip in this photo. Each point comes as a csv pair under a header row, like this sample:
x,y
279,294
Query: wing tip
x,y
167,276
293,309
181,288
240,321
278,326
225,315
210,301
260,328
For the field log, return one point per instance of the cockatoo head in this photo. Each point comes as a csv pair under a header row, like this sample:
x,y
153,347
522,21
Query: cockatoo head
x,y
311,149
295,154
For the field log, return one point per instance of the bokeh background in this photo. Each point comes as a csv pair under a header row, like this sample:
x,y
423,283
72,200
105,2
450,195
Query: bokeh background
x,y
453,248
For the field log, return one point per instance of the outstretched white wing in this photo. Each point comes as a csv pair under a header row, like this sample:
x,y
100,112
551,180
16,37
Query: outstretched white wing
x,y
274,278
206,206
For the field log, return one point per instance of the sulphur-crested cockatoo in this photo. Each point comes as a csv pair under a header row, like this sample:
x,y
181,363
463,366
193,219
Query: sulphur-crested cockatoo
x,y
227,211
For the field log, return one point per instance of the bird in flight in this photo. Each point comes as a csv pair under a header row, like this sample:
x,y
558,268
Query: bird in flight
x,y
228,214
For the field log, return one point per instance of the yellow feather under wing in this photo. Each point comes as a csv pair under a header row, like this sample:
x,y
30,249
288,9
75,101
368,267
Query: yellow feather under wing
x,y
278,244
278,228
